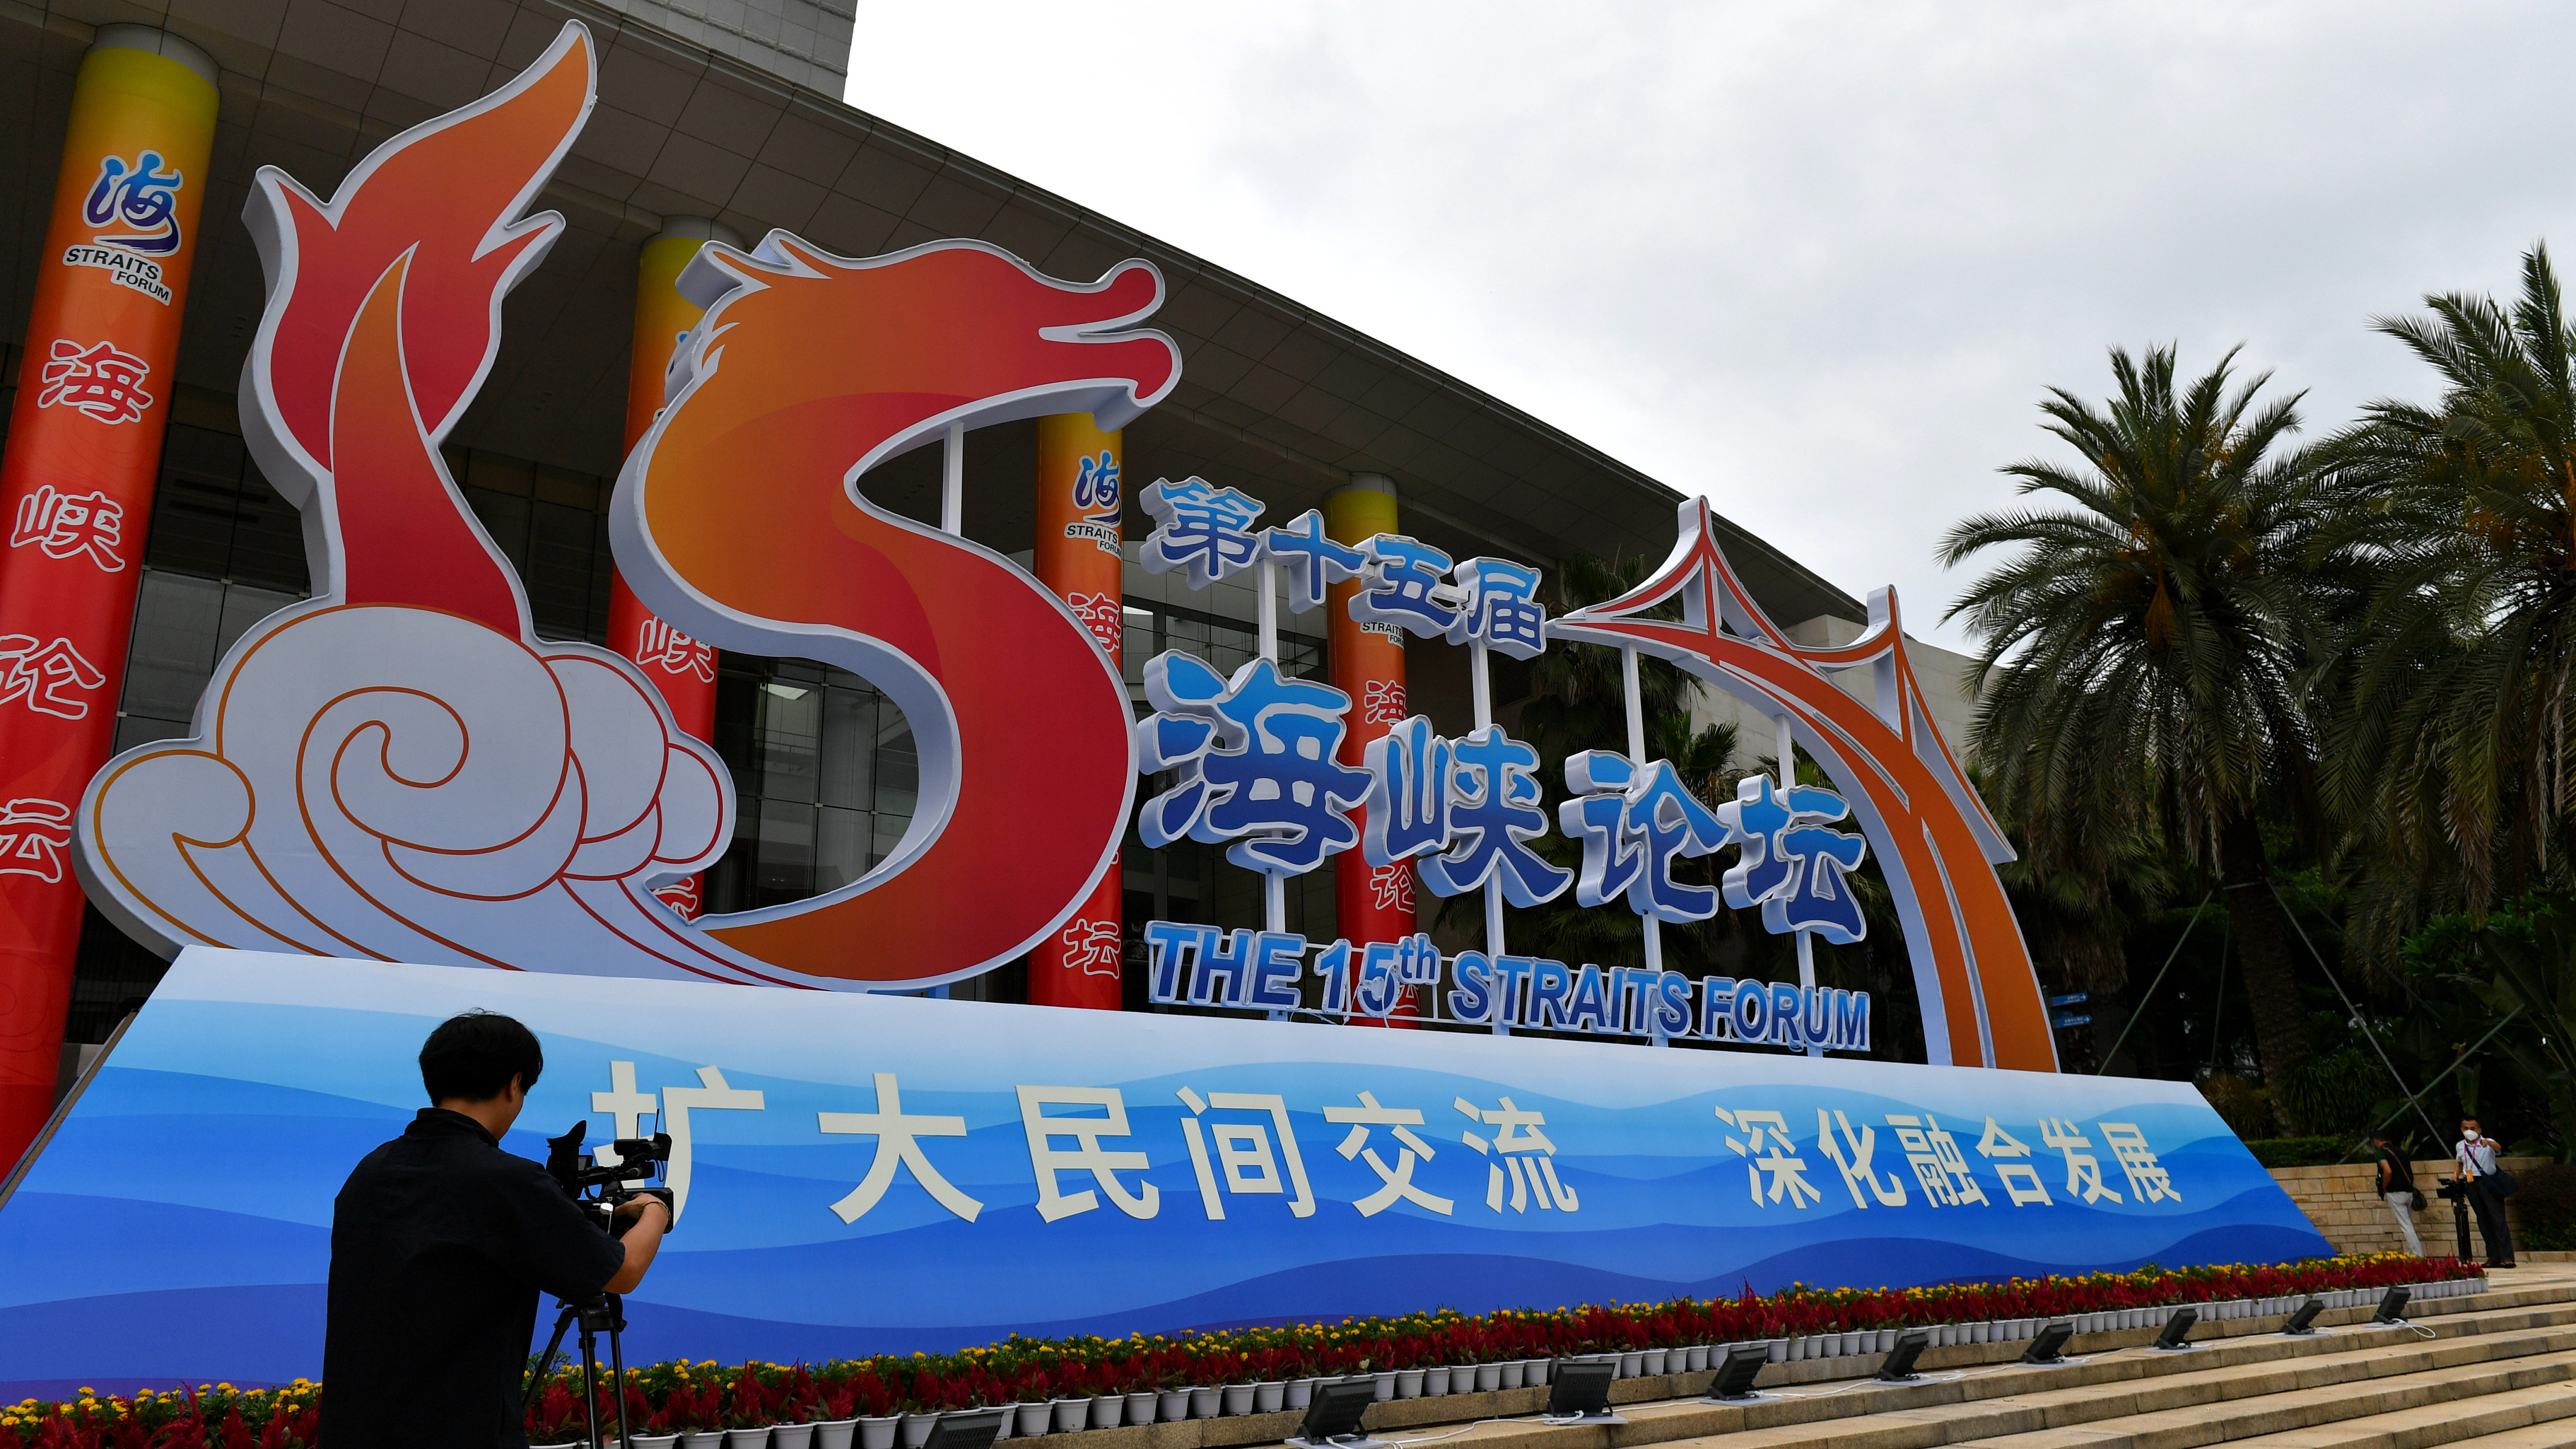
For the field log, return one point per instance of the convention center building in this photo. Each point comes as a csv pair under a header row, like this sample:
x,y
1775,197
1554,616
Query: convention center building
x,y
723,119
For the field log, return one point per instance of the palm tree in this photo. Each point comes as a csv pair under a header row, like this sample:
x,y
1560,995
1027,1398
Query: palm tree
x,y
2079,927
2449,749
2141,653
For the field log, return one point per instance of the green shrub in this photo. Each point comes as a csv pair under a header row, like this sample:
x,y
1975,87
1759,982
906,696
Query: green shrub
x,y
2243,1106
2547,1206
2332,1093
2303,1151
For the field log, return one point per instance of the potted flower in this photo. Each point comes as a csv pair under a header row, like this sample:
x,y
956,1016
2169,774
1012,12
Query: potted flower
x,y
878,1415
835,1410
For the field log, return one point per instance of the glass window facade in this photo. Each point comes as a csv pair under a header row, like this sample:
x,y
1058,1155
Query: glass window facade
x,y
1226,644
824,779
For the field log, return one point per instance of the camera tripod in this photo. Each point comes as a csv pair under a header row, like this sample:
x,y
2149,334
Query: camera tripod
x,y
2456,1192
598,1313
599,1191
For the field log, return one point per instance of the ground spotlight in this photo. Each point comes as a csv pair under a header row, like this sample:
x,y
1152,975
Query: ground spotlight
x,y
2177,1334
2392,1308
2301,1321
1333,1416
1734,1381
965,1431
1580,1390
1899,1368
2048,1344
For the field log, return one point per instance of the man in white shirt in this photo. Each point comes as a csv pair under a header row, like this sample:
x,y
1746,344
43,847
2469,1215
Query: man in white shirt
x,y
2477,1159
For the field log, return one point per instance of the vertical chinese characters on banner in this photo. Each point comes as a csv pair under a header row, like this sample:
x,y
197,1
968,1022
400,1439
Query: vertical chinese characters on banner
x,y
1081,498
84,447
1371,902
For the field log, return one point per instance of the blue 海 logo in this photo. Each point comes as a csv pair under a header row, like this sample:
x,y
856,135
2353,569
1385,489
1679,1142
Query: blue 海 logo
x,y
139,197
1095,488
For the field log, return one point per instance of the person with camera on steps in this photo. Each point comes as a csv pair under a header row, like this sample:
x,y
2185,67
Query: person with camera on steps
x,y
2397,1189
441,1242
2483,1174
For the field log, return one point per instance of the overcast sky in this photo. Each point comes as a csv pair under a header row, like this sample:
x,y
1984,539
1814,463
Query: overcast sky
x,y
1816,261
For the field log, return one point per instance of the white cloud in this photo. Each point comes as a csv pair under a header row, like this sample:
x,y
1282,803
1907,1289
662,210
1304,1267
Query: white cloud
x,y
1817,261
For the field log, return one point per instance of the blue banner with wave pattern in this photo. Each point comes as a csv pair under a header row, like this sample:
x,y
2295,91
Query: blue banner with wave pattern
x,y
1087,1171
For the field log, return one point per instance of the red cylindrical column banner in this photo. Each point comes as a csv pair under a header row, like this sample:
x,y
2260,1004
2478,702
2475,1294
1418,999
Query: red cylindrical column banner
x,y
1370,903
76,491
1081,487
683,669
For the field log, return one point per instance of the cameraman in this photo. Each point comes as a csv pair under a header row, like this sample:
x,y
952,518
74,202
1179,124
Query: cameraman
x,y
440,1243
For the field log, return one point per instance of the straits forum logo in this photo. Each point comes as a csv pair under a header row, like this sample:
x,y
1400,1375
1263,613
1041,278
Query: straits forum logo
x,y
1096,493
136,205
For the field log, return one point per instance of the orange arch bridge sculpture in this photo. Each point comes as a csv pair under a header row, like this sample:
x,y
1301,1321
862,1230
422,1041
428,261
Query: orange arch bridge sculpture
x,y
1932,835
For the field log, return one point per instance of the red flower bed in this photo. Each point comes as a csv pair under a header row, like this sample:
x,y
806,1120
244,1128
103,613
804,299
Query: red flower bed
x,y
668,1397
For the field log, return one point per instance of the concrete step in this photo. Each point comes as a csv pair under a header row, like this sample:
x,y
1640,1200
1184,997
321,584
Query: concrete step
x,y
2138,1380
2459,1392
2537,1415
1969,1390
2475,1353
2179,1411
2530,1306
2549,1434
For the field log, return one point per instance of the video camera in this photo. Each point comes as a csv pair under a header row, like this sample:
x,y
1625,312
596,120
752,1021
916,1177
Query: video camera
x,y
600,1189
2453,1189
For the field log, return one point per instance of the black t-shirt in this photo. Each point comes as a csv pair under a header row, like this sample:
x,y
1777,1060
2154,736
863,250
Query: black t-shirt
x,y
2401,1173
440,1243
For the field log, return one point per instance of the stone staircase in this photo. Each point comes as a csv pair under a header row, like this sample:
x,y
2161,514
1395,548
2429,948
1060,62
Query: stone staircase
x,y
2492,1370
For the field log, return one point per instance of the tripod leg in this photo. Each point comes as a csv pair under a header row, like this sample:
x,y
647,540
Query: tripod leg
x,y
617,1371
590,1379
537,1380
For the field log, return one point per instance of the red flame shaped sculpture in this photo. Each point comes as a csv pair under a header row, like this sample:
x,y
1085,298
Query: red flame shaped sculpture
x,y
398,768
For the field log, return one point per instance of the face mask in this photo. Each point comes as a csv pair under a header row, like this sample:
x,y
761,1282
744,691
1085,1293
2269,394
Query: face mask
x,y
2471,1133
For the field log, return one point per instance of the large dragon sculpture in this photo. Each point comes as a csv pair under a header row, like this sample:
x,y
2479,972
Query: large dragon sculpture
x,y
398,768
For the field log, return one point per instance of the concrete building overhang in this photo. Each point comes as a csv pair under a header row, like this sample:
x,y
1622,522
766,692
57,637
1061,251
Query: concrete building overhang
x,y
1275,398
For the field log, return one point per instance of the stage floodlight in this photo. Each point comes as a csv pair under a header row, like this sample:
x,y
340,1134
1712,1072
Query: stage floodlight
x,y
2392,1308
1333,1415
2302,1322
1579,1390
1899,1368
2177,1334
1734,1381
965,1431
2048,1345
